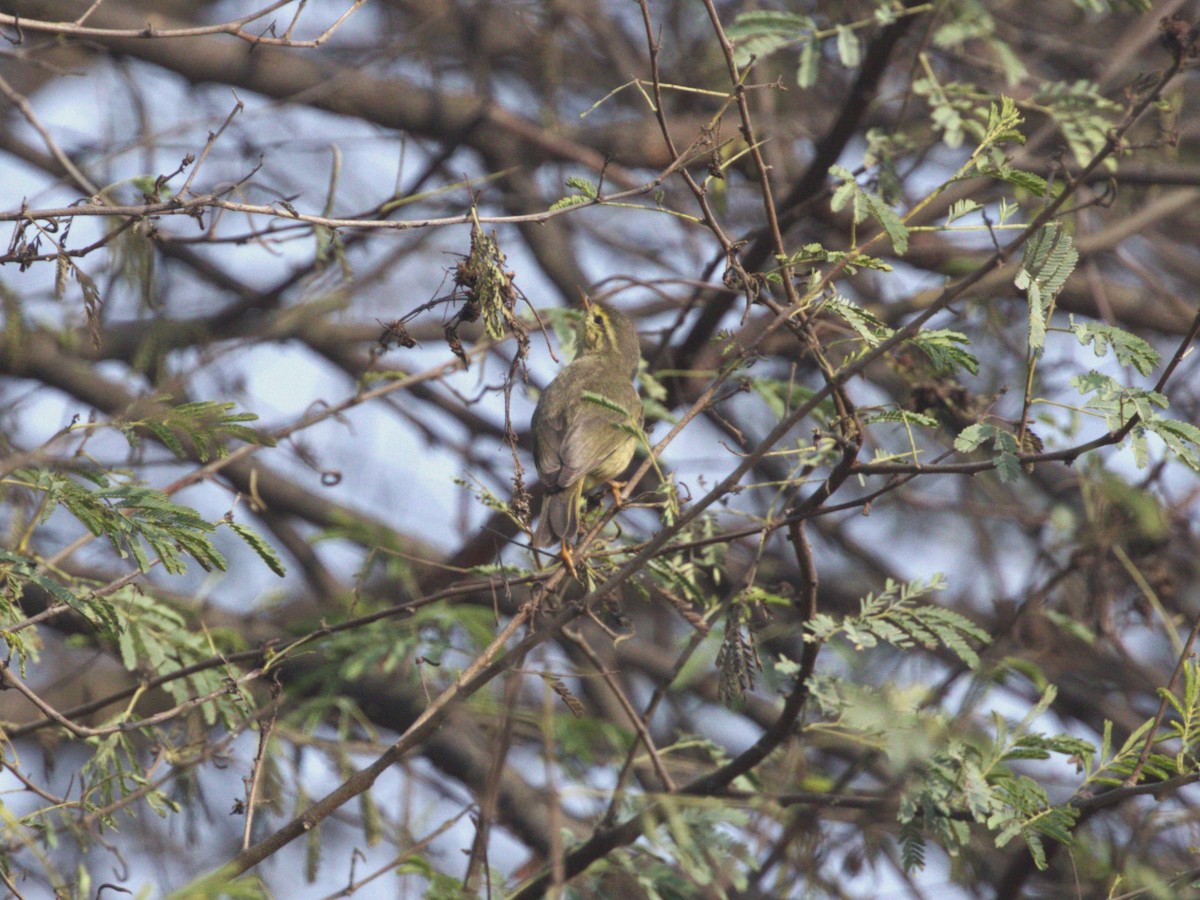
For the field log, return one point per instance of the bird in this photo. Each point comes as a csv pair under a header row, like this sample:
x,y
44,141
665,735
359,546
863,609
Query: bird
x,y
586,422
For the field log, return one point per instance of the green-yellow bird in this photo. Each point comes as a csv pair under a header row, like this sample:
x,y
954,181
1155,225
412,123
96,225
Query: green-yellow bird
x,y
582,441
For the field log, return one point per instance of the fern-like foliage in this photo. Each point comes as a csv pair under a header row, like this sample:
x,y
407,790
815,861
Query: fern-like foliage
x,y
1118,404
1003,442
895,617
870,328
946,350
585,192
1113,766
157,641
1050,257
865,204
907,417
1129,349
784,396
206,424
17,572
810,254
972,781
1084,114
132,517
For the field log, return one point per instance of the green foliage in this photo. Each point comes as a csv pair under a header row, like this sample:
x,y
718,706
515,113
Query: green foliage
x,y
258,544
132,517
971,781
871,329
962,110
206,424
157,641
1001,125
961,208
1026,181
894,617
605,403
966,781
990,159
1118,404
17,571
114,771
864,204
585,192
1115,402
809,65
582,743
851,261
782,397
945,350
973,23
379,648
690,576
888,718
1004,442
1083,114
898,415
1129,349
1181,438
953,109
488,498
1049,259
758,34
848,48
1185,726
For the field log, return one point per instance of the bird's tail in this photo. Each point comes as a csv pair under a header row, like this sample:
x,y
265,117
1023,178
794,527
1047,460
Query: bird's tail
x,y
559,519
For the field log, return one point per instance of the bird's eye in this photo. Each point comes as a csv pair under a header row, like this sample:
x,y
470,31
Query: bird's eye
x,y
598,319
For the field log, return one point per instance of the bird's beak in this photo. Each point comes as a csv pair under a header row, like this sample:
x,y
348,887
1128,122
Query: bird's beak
x,y
586,301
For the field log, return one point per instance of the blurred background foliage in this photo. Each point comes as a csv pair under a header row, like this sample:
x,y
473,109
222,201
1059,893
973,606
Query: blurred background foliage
x,y
903,605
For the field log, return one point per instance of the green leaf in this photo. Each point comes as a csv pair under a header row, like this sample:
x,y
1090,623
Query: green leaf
x,y
945,350
131,516
869,327
1029,181
961,208
1008,467
895,617
899,415
759,33
256,542
1129,349
157,639
809,67
897,231
848,48
864,204
587,192
207,424
1181,438
574,200
584,186
18,570
1048,261
605,403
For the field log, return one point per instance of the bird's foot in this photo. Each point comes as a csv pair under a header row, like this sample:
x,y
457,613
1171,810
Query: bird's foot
x,y
615,487
568,560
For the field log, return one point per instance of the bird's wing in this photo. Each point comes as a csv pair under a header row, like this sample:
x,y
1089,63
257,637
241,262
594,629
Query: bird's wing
x,y
595,433
548,429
